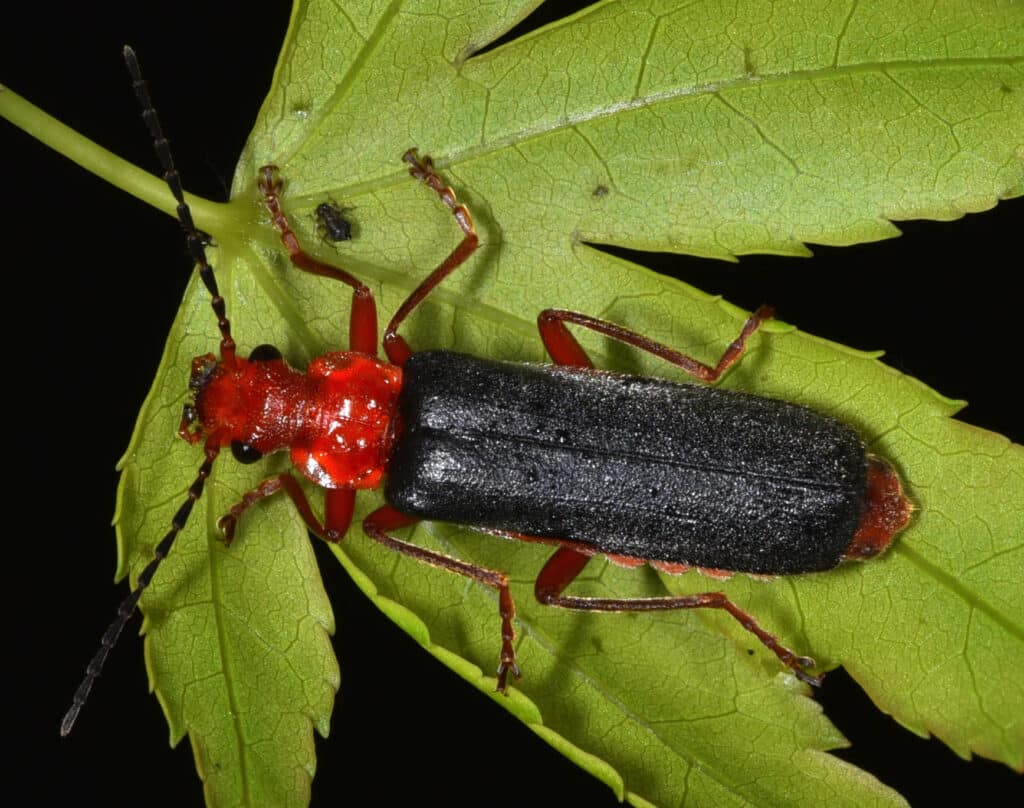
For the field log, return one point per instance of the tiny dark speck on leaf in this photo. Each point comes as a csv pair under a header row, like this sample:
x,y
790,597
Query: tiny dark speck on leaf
x,y
601,190
748,64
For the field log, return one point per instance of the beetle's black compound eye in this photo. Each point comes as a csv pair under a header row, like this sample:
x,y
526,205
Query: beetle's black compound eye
x,y
264,353
244,453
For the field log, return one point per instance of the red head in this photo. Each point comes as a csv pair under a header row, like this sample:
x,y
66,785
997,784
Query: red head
x,y
337,419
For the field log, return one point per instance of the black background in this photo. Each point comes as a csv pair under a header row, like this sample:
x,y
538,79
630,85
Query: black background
x,y
98,275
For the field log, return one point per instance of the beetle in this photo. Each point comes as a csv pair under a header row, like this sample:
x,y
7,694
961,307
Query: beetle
x,y
639,470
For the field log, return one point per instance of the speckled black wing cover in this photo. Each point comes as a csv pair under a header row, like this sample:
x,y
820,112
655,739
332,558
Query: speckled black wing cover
x,y
633,466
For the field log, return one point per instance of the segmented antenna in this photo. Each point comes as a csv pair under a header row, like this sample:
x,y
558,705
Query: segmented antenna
x,y
227,352
173,180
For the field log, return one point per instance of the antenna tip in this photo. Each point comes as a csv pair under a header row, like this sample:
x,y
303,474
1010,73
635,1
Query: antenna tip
x,y
132,61
68,722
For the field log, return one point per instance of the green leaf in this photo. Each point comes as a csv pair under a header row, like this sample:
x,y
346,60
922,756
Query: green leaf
x,y
701,130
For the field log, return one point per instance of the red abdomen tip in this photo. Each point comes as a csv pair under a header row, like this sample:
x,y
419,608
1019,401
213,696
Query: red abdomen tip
x,y
887,511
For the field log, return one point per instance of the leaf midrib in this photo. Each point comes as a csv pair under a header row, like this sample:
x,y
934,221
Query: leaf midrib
x,y
969,596
521,136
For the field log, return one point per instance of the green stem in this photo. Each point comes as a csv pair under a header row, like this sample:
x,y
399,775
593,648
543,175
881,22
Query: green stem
x,y
209,216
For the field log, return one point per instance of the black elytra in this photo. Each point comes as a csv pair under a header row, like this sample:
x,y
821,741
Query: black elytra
x,y
630,466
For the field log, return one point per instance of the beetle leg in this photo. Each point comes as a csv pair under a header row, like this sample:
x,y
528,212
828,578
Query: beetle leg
x,y
563,567
422,168
338,506
385,519
563,348
362,326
